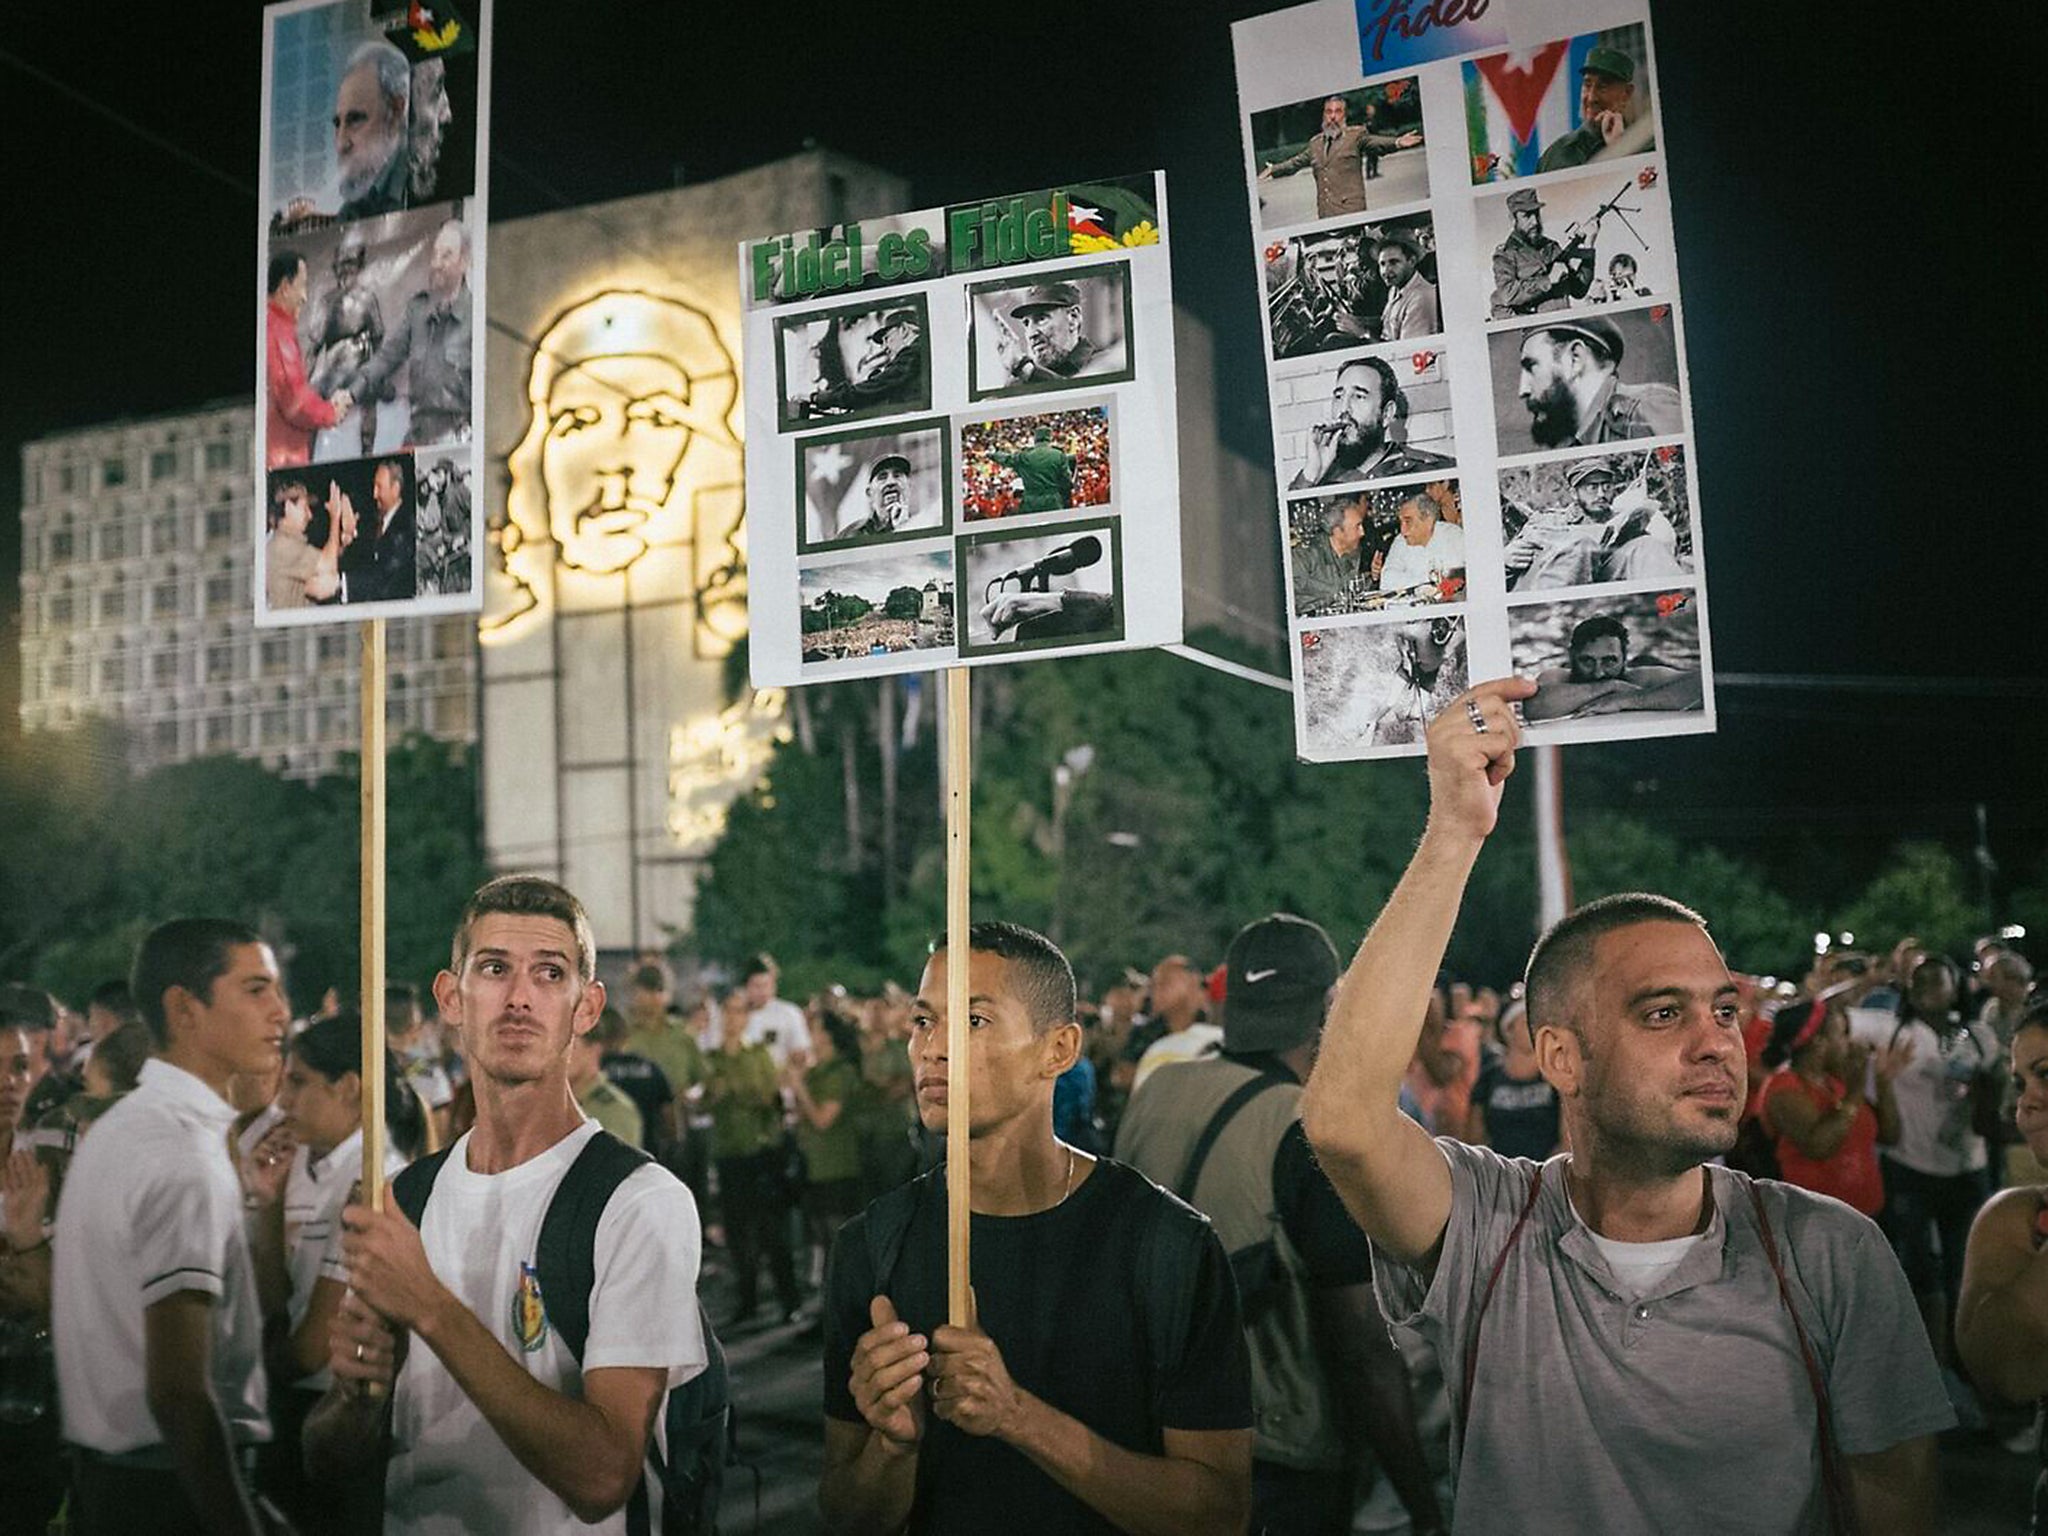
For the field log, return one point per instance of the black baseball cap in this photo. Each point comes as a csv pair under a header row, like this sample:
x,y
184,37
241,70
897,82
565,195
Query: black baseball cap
x,y
885,461
1277,979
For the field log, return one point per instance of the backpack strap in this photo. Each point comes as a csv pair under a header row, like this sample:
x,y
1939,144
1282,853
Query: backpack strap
x,y
1198,1159
565,1258
415,1182
1471,1370
1833,1476
1169,1256
886,1223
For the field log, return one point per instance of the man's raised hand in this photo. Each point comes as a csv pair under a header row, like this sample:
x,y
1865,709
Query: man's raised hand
x,y
1471,753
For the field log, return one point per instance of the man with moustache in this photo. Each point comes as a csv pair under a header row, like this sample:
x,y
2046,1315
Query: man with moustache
x,y
493,1423
1656,1319
1102,1384
1411,309
429,114
1354,441
1531,271
156,1311
432,342
1326,567
1049,339
371,110
1337,156
1570,386
377,562
1600,678
1607,110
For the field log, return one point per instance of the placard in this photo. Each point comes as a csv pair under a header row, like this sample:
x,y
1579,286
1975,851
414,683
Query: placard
x,y
1476,359
369,457
961,439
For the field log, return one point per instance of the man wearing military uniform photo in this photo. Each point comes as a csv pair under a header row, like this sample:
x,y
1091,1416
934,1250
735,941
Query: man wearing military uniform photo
x,y
1607,109
1045,336
1355,441
1532,272
1337,156
1046,470
1326,566
1569,384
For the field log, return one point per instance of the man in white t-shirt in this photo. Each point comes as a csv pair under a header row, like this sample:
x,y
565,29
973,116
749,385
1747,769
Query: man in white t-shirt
x,y
772,1021
1427,548
156,1316
494,1424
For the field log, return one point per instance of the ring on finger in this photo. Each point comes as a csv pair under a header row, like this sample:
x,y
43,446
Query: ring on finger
x,y
359,1354
1479,726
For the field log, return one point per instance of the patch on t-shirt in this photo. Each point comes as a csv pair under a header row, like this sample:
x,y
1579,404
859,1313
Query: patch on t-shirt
x,y
529,1316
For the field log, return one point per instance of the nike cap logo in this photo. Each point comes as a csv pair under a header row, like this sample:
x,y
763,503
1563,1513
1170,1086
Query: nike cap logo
x,y
1252,977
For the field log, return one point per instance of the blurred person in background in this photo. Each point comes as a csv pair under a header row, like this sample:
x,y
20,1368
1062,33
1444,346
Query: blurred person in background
x,y
1823,1107
30,1447
1514,1108
742,1090
597,1095
826,1092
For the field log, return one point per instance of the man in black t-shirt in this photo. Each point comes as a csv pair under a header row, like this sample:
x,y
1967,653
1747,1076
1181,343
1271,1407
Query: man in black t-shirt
x,y
1102,1385
638,1079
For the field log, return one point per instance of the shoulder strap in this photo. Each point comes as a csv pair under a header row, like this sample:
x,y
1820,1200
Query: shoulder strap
x,y
1833,1476
415,1182
1218,1122
1471,1371
1167,1269
886,1224
565,1258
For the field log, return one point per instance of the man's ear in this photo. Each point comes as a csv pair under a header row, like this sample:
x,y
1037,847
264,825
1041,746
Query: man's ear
x,y
588,1007
1561,1058
448,997
1062,1048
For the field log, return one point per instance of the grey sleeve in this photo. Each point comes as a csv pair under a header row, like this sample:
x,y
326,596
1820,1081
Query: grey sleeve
x,y
1487,1194
1883,1384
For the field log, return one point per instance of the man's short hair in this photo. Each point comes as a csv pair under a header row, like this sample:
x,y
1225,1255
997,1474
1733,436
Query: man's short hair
x,y
1424,503
1622,259
1401,243
1039,975
1340,102
26,1007
187,952
759,965
1562,955
113,996
1601,625
528,896
1390,385
1335,507
394,72
400,997
123,1052
284,266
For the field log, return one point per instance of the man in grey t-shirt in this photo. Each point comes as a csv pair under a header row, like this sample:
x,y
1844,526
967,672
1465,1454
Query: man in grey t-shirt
x,y
1634,1340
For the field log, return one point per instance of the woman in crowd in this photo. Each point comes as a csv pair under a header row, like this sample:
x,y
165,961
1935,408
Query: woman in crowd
x,y
1826,1129
32,1484
321,1098
2002,1317
745,1100
827,1090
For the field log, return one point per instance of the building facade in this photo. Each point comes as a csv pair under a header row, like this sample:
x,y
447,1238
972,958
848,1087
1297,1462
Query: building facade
x,y
137,541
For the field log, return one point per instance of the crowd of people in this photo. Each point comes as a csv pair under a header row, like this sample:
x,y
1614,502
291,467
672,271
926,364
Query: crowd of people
x,y
1249,1237
997,484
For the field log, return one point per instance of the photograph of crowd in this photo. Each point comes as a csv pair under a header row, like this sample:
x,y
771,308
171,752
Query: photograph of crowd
x,y
1353,284
1366,418
1028,589
1597,239
368,338
1580,101
1609,655
1583,379
1052,330
875,606
1367,550
1609,517
1048,462
1313,159
1378,684
870,487
340,533
365,121
853,362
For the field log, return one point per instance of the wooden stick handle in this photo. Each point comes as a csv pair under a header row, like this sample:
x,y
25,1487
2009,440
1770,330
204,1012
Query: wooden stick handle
x,y
372,976
959,1074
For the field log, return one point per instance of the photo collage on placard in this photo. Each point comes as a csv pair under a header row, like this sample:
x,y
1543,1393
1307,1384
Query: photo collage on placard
x,y
1365,447
979,520
370,326
1599,537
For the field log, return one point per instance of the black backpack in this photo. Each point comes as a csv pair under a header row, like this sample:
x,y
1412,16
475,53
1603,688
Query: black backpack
x,y
678,1494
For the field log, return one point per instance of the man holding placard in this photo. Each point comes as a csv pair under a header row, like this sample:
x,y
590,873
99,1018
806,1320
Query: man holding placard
x,y
1102,1383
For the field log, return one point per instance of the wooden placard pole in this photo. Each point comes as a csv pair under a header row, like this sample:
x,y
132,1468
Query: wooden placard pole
x,y
373,913
959,797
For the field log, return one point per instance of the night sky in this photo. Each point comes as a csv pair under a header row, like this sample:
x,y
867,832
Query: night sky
x,y
1852,211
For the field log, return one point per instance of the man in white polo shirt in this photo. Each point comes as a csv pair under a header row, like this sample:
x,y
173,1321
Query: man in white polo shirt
x,y
156,1319
496,1422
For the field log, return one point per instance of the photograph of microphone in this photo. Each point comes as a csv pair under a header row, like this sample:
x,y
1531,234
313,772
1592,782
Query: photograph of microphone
x,y
1033,588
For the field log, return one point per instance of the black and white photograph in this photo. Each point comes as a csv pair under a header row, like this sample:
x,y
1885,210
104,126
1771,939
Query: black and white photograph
x,y
1328,156
443,523
1351,285
853,610
1632,654
1365,418
340,533
1581,379
1599,519
872,487
1584,242
1028,590
853,362
1583,100
365,121
369,340
1372,686
1064,329
1043,461
1369,550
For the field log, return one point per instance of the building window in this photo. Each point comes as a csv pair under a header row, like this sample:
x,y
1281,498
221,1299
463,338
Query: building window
x,y
334,722
163,668
113,472
59,676
57,612
61,544
219,455
277,653
276,726
164,736
220,663
67,479
220,591
163,464
111,606
163,534
163,598
451,713
220,733
334,644
111,675
113,541
452,638
220,525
